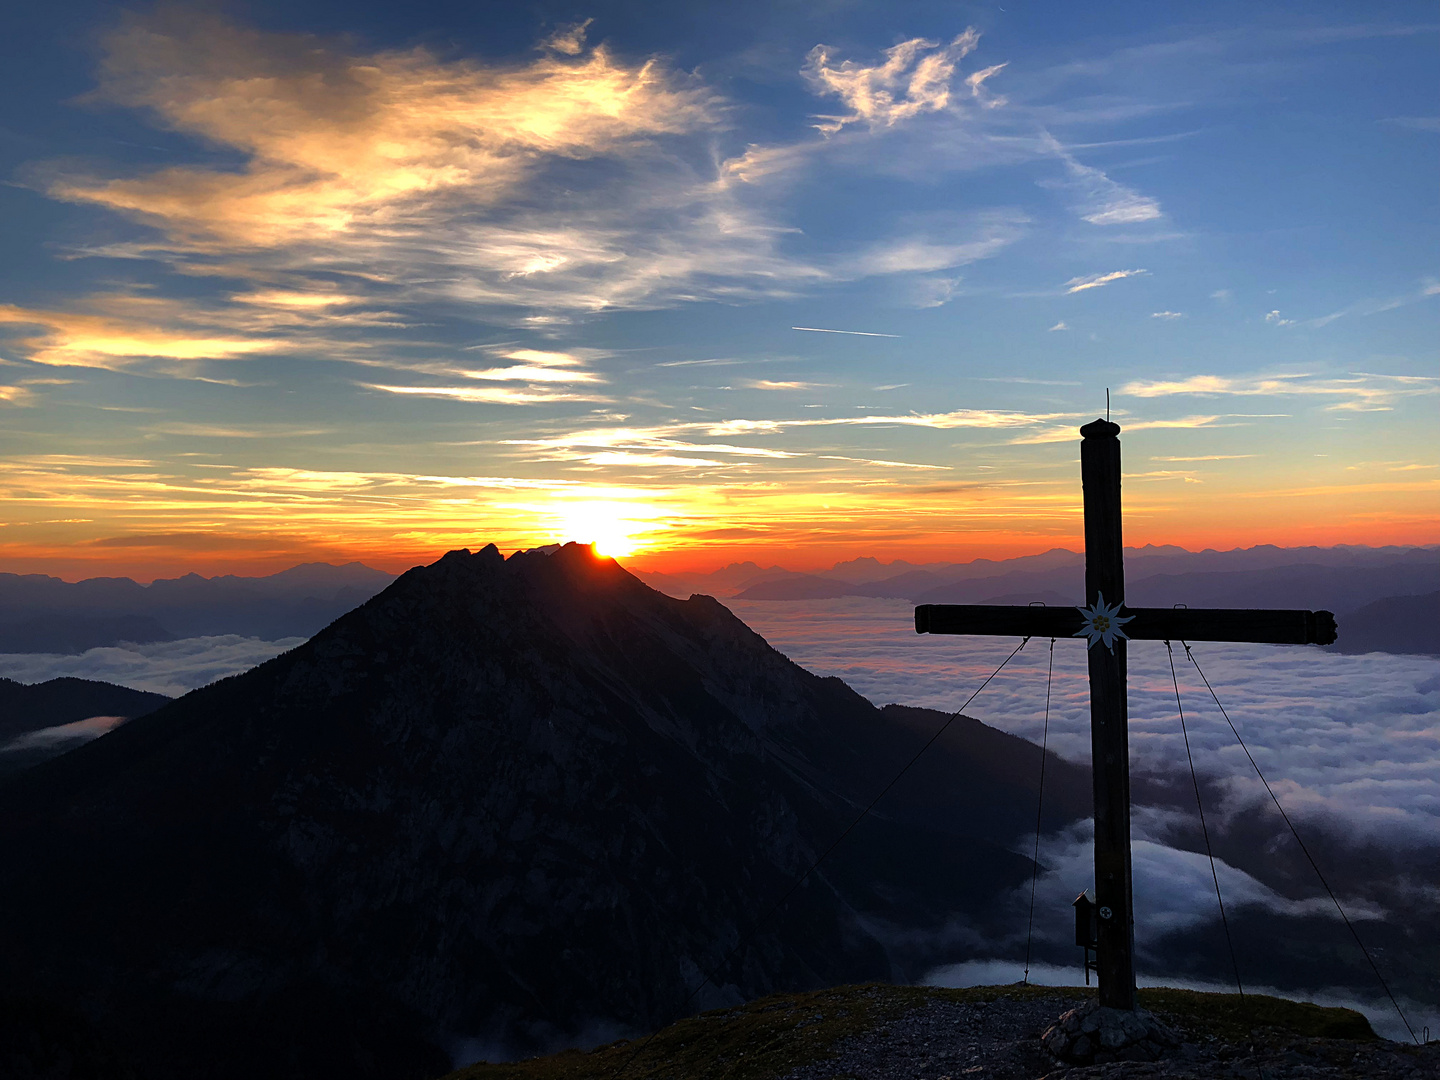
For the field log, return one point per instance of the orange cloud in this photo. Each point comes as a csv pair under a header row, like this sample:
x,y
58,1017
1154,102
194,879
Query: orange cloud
x,y
71,339
1361,391
337,142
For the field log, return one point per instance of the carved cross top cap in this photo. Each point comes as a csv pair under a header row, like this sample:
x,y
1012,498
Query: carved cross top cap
x,y
1100,429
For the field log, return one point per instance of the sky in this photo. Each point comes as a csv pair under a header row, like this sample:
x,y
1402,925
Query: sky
x,y
791,282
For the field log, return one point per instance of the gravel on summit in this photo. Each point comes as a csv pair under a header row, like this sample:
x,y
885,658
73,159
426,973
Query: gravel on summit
x,y
943,1039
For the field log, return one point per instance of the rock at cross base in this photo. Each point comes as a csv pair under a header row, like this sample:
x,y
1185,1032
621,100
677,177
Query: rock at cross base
x,y
1094,1034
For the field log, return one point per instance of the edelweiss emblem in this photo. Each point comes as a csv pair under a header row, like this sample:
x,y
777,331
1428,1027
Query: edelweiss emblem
x,y
1103,623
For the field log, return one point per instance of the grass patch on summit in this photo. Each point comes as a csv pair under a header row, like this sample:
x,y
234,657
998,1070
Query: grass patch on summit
x,y
767,1038
1229,1016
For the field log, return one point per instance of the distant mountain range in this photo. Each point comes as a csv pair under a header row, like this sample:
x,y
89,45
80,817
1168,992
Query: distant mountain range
x,y
45,614
1344,580
1398,624
523,800
907,580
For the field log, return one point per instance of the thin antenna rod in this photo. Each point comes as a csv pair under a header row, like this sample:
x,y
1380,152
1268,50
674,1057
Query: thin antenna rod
x,y
1107,404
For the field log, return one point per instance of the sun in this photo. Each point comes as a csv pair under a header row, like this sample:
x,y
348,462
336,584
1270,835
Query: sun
x,y
611,527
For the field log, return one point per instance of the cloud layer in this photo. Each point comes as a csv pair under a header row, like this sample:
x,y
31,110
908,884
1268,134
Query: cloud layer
x,y
338,144
170,667
1350,743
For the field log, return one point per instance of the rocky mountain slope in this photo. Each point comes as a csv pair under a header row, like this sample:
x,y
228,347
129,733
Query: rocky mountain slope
x,y
518,801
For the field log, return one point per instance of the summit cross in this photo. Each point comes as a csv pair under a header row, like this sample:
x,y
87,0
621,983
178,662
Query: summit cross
x,y
1108,624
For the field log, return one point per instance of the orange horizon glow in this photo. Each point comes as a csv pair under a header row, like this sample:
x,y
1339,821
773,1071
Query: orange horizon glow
x,y
253,557
75,518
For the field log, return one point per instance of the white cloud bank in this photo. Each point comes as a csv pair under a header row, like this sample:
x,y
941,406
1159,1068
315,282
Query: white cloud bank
x,y
1350,743
167,667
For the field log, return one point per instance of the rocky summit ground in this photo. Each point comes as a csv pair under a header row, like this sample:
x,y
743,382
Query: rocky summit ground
x,y
881,1032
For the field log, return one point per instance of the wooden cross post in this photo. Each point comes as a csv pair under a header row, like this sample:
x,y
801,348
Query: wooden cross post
x,y
1107,627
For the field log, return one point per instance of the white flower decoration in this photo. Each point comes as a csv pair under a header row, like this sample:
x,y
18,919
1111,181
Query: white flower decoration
x,y
1102,623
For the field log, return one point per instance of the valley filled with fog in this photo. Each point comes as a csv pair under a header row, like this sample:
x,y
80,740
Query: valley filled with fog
x,y
1349,743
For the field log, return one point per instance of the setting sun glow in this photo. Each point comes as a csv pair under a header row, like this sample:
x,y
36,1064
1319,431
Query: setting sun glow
x,y
614,528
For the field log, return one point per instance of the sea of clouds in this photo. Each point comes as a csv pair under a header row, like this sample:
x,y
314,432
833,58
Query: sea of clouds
x,y
1340,738
1350,745
165,667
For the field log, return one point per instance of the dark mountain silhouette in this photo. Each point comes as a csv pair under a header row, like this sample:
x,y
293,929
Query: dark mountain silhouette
x,y
1396,624
44,614
524,801
31,707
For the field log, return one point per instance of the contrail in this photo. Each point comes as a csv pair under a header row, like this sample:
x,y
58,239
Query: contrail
x,y
857,333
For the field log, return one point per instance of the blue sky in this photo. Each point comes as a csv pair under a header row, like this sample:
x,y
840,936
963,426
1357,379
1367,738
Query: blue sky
x,y
322,280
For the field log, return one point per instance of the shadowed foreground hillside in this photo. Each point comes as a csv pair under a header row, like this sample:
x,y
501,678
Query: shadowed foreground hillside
x,y
879,1032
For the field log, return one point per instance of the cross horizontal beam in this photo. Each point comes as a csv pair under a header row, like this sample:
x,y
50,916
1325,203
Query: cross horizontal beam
x,y
1262,627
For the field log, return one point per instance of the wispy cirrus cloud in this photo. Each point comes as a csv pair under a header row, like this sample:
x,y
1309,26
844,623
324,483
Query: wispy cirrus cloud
x,y
254,430
418,178
1103,201
547,375
370,183
941,243
16,395
1356,392
1066,432
487,395
415,177
883,463
336,142
953,124
1427,288
112,340
1414,123
656,437
915,77
958,418
781,384
1096,281
668,441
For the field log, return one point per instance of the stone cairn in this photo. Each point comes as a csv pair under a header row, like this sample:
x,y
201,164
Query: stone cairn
x,y
1092,1034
